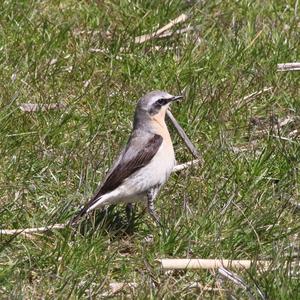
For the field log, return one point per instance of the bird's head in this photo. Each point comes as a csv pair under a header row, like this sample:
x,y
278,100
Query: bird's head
x,y
154,105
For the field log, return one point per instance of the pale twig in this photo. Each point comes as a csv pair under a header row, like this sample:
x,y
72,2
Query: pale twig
x,y
184,137
240,103
33,107
197,285
286,121
179,264
97,50
146,37
186,165
29,231
293,133
251,146
283,138
179,31
116,287
86,32
295,66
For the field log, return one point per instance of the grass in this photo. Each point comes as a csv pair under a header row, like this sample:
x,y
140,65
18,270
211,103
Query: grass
x,y
51,162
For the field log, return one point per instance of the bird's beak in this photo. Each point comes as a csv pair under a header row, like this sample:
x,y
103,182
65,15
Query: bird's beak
x,y
175,98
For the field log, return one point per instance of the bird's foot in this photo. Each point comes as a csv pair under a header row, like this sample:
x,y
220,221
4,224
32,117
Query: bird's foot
x,y
151,210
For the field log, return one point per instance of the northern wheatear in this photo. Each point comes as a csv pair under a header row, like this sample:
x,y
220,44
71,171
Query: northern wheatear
x,y
145,163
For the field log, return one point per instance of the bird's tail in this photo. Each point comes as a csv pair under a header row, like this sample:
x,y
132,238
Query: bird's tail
x,y
77,217
91,205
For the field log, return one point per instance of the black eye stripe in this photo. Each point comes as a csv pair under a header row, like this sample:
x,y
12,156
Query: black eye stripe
x,y
161,101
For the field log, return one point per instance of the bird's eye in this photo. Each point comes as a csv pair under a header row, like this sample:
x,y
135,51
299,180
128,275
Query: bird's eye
x,y
162,101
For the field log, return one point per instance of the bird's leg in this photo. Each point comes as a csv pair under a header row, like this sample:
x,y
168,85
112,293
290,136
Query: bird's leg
x,y
151,209
129,209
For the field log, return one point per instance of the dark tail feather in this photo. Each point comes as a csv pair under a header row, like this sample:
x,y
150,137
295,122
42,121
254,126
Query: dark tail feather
x,y
78,216
83,211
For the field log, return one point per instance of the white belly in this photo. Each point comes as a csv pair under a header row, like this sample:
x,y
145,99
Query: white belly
x,y
155,173
134,188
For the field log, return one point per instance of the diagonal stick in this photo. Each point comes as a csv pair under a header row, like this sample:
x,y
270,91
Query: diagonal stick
x,y
184,137
146,37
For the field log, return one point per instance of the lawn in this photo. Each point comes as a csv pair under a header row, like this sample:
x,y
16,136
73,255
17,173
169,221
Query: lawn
x,y
241,203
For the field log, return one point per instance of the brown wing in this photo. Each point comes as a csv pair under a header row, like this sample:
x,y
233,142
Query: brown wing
x,y
141,148
131,162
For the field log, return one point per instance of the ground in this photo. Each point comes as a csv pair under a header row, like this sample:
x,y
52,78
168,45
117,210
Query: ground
x,y
241,203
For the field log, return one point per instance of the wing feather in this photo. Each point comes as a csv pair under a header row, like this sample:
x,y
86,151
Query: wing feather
x,y
141,148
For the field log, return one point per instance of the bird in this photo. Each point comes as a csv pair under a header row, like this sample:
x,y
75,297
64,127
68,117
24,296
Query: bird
x,y
145,163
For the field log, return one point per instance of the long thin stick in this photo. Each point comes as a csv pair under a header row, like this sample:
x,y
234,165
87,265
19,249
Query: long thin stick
x,y
28,231
179,264
295,66
184,137
179,31
116,287
187,165
146,37
240,103
34,107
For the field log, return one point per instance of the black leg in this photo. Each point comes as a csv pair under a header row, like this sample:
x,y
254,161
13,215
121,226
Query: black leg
x,y
129,209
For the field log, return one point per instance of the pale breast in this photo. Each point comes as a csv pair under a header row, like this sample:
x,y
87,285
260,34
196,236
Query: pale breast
x,y
158,170
155,173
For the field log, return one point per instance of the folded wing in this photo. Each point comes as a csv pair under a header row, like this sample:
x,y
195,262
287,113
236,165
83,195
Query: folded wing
x,y
140,149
